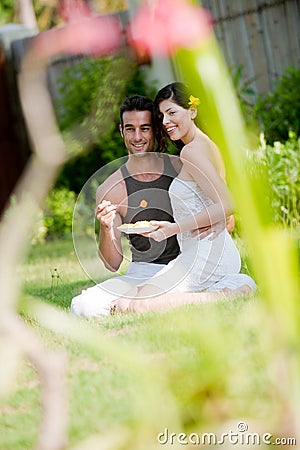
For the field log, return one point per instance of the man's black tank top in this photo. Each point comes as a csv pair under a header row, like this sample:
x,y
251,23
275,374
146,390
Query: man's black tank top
x,y
155,193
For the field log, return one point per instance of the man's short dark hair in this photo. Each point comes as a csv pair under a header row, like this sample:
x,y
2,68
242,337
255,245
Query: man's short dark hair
x,y
136,103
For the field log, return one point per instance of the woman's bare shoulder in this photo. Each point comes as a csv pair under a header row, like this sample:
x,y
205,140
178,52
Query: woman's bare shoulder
x,y
198,148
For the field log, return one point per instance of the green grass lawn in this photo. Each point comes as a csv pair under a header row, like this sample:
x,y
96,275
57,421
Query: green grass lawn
x,y
195,369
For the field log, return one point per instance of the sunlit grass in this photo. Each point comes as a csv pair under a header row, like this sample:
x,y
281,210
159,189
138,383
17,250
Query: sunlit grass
x,y
216,364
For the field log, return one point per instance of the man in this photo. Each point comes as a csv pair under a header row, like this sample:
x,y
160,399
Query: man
x,y
137,191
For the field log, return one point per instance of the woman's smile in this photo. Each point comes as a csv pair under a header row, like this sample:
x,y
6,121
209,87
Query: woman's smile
x,y
171,129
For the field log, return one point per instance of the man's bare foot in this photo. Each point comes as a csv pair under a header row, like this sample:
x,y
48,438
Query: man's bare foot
x,y
120,305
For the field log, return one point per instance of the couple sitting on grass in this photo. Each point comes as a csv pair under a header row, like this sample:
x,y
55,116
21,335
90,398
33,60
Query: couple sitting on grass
x,y
189,257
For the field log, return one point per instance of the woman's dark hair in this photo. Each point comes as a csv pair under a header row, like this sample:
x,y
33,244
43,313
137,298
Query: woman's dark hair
x,y
177,92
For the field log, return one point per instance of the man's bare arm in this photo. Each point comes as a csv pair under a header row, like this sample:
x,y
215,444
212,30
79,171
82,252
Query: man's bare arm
x,y
110,248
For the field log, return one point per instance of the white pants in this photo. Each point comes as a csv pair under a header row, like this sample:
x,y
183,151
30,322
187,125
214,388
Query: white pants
x,y
96,301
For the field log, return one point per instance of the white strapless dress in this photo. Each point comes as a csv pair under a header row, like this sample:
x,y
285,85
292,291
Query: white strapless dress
x,y
202,265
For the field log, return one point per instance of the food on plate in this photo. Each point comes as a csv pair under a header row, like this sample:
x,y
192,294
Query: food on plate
x,y
140,227
139,224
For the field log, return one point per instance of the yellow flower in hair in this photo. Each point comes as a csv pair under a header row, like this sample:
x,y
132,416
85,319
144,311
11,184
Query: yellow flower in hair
x,y
194,101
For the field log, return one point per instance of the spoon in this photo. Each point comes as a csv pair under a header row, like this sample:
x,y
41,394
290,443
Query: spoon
x,y
142,204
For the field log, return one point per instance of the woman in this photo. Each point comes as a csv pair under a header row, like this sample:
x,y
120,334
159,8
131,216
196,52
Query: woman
x,y
199,198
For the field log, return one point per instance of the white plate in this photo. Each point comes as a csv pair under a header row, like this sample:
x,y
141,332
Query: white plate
x,y
137,230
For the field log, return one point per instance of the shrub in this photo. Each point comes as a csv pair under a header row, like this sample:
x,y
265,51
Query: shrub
x,y
58,213
281,163
278,112
244,91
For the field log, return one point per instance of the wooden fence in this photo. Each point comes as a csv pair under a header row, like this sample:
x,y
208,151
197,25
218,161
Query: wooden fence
x,y
262,36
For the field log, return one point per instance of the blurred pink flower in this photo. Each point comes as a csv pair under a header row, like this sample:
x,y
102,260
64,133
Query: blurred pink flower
x,y
74,10
95,35
163,26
